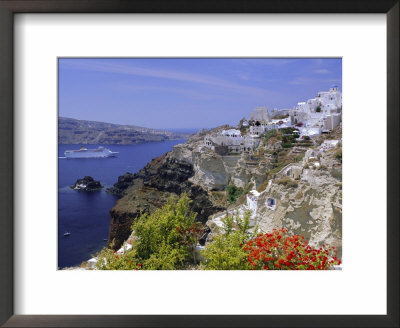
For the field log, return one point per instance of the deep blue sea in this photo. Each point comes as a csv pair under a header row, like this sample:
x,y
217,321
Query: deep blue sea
x,y
86,215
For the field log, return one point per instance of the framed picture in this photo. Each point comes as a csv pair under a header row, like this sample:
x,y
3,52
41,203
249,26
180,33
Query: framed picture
x,y
92,102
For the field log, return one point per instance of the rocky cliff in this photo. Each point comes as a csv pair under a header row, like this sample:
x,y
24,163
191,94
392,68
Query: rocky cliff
x,y
304,197
213,171
149,189
304,181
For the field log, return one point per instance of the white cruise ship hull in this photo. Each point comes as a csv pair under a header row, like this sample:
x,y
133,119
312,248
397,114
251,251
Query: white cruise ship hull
x,y
90,153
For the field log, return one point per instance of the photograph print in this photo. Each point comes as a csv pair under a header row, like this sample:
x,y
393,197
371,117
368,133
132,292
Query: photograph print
x,y
200,164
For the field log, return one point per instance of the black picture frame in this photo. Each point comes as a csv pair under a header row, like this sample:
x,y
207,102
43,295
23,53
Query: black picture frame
x,y
10,7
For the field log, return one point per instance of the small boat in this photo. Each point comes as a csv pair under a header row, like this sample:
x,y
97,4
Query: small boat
x,y
66,234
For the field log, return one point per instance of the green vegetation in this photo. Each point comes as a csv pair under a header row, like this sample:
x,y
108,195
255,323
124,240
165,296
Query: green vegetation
x,y
286,131
269,134
318,109
110,260
289,137
287,145
298,158
164,240
225,252
233,193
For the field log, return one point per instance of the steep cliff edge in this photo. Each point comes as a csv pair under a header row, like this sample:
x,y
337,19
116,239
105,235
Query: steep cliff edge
x,y
149,189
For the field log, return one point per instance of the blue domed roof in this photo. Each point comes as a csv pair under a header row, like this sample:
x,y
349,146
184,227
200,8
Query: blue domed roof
x,y
334,86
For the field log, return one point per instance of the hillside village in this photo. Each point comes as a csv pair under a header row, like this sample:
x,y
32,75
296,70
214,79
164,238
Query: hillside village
x,y
301,190
319,115
282,167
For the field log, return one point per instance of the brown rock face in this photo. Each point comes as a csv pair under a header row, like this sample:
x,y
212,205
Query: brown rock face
x,y
149,189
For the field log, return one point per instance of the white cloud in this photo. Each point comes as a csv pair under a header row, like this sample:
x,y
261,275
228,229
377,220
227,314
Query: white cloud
x,y
322,71
107,67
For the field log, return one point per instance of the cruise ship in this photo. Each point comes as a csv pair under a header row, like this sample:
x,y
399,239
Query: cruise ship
x,y
100,152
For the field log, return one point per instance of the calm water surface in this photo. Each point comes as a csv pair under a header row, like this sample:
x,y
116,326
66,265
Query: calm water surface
x,y
86,215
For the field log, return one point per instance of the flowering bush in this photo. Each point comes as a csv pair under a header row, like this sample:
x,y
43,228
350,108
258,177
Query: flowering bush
x,y
279,251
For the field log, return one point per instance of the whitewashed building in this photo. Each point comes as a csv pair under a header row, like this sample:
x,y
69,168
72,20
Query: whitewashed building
x,y
250,142
231,138
328,144
260,114
331,121
323,111
252,201
257,129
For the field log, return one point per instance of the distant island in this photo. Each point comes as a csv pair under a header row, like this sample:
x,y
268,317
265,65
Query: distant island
x,y
73,131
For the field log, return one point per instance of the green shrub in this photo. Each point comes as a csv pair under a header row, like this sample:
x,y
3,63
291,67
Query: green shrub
x,y
233,193
110,260
225,251
163,240
288,130
269,134
159,233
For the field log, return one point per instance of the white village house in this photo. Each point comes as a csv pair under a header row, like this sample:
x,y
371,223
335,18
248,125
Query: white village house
x,y
313,117
323,111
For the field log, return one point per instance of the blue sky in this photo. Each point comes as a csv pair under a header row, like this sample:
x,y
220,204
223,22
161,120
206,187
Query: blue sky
x,y
187,93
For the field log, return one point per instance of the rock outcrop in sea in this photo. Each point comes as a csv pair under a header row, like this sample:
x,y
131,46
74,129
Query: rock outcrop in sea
x,y
87,184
